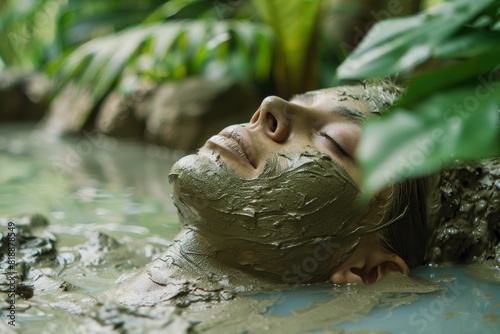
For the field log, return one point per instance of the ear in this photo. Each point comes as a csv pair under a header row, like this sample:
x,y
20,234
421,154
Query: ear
x,y
368,264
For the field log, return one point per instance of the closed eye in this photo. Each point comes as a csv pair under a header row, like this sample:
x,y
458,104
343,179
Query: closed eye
x,y
336,146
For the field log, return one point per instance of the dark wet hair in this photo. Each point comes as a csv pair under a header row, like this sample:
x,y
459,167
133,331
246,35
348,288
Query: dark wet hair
x,y
408,235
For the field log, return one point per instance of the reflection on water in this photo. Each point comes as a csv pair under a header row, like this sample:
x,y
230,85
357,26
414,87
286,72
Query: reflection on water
x,y
93,184
89,183
465,306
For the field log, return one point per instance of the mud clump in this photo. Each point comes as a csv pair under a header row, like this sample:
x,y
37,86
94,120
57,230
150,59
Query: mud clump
x,y
465,214
61,280
121,319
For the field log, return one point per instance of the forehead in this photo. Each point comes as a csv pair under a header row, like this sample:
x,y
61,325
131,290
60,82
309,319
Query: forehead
x,y
352,99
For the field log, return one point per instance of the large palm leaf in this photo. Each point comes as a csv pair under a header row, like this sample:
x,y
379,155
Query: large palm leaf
x,y
294,24
170,50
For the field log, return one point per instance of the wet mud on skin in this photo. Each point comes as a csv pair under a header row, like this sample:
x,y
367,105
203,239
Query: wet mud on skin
x,y
300,202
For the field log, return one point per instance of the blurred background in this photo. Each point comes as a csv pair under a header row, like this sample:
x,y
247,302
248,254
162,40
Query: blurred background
x,y
171,72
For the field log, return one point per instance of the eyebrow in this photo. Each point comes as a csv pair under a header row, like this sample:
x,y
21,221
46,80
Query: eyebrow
x,y
349,112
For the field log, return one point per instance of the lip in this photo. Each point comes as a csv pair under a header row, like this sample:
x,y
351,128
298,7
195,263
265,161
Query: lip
x,y
236,140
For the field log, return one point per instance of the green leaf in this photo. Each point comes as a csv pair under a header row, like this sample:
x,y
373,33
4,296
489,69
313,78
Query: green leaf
x,y
462,122
264,53
81,21
293,23
117,62
24,41
179,9
172,50
197,36
162,39
436,79
397,45
472,42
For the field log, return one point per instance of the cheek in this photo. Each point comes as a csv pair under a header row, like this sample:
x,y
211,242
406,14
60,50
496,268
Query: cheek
x,y
296,214
355,173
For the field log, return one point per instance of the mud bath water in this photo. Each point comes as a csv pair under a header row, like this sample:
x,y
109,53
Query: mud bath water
x,y
109,213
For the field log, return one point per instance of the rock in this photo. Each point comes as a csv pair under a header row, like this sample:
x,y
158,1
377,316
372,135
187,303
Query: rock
x,y
116,117
23,97
68,111
465,217
34,244
183,115
177,114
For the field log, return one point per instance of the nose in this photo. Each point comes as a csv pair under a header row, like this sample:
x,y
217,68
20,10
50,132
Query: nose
x,y
274,118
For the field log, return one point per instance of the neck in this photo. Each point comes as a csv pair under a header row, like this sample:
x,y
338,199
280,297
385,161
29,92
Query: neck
x,y
187,272
192,260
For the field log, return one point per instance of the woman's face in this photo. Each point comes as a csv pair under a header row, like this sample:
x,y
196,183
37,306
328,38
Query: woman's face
x,y
277,197
325,120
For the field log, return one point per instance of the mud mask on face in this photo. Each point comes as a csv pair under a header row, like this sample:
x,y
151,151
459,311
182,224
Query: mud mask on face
x,y
296,222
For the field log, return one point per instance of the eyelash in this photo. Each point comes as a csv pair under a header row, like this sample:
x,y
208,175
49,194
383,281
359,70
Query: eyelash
x,y
335,144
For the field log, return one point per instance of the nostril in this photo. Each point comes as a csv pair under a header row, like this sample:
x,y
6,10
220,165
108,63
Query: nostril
x,y
274,125
272,122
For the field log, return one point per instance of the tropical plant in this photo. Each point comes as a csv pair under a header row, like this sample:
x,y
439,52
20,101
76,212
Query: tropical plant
x,y
173,50
26,32
80,21
451,56
183,38
295,28
33,33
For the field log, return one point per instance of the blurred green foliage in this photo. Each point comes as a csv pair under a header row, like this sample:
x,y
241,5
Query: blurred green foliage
x,y
167,51
80,21
249,40
27,30
295,28
115,45
35,32
451,110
